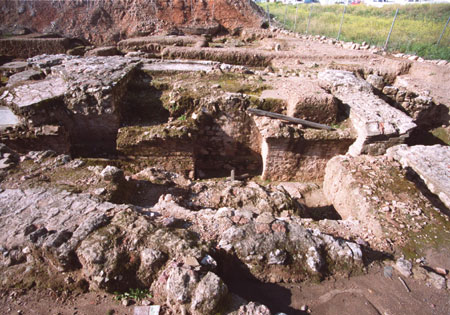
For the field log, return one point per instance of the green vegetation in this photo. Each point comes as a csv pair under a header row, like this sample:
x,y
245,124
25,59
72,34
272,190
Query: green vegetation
x,y
268,104
416,29
133,294
442,134
240,83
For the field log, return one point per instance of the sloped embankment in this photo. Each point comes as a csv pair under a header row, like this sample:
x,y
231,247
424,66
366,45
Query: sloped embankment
x,y
110,21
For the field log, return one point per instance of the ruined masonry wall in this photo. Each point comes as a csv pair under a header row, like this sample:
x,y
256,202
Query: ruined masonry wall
x,y
300,159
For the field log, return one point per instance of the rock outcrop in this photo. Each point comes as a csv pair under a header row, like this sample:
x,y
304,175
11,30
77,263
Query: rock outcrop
x,y
167,247
273,248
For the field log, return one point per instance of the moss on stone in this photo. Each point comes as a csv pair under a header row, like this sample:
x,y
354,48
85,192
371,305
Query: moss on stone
x,y
443,134
268,104
434,234
241,83
319,134
133,135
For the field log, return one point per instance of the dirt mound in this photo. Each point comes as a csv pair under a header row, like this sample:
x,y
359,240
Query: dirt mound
x,y
110,21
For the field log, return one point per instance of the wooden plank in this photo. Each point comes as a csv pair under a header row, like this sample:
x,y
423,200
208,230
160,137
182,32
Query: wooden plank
x,y
303,122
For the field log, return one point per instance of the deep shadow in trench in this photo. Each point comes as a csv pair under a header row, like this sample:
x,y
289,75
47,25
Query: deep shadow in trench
x,y
217,153
96,135
146,194
240,281
421,136
320,213
142,104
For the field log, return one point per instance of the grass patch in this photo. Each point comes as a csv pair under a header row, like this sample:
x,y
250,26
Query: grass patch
x,y
416,29
442,134
133,294
239,83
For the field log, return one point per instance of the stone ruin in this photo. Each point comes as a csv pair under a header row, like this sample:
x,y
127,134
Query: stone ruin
x,y
141,166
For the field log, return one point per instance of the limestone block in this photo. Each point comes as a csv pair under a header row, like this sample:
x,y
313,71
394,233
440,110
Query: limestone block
x,y
374,120
431,163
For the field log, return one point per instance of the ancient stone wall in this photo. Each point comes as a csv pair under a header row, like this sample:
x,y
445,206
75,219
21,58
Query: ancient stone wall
x,y
28,47
227,139
167,147
41,138
301,159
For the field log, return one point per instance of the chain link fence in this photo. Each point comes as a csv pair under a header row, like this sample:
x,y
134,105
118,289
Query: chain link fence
x,y
421,30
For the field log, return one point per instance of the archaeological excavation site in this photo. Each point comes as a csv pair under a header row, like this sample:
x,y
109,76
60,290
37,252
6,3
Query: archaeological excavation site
x,y
176,157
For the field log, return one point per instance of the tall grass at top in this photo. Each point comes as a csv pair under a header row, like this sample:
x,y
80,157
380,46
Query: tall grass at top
x,y
416,31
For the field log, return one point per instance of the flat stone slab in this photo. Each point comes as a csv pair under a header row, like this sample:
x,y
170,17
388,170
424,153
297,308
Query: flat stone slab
x,y
7,118
46,61
374,119
95,83
180,65
431,163
25,76
24,210
85,85
98,71
29,95
14,67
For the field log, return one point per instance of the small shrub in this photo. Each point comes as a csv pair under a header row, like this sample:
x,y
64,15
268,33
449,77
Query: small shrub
x,y
133,294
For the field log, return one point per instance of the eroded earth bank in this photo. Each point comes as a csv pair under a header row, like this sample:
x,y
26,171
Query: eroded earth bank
x,y
144,166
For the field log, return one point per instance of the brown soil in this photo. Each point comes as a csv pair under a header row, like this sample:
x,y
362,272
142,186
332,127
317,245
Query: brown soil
x,y
110,21
428,77
367,294
49,302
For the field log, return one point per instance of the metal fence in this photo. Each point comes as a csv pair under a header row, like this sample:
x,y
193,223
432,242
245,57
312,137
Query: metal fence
x,y
424,32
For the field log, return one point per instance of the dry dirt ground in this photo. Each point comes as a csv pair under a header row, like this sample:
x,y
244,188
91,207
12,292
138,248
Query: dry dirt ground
x,y
368,294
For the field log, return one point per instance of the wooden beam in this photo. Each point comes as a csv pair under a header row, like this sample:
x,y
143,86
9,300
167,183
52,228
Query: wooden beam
x,y
303,122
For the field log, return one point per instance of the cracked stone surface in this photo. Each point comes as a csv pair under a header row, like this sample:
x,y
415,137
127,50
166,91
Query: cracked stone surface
x,y
377,124
7,118
22,215
34,94
14,67
24,76
87,85
431,163
96,77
